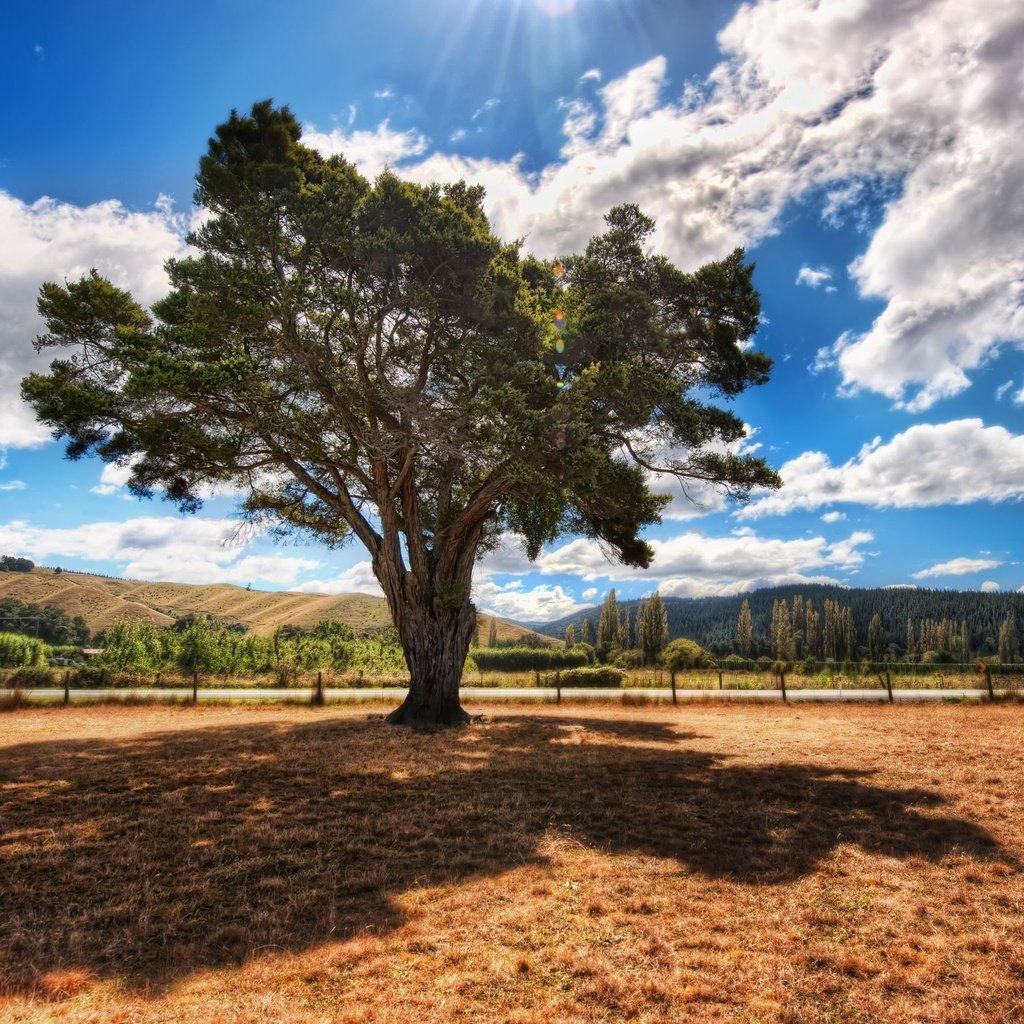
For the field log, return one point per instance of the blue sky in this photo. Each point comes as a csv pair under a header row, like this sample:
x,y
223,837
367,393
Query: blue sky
x,y
867,154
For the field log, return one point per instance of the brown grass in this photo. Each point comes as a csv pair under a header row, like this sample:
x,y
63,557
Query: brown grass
x,y
707,863
101,601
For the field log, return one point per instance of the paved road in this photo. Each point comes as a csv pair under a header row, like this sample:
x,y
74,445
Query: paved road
x,y
474,693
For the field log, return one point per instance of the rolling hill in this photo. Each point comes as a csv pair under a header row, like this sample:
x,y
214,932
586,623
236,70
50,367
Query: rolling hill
x,y
103,600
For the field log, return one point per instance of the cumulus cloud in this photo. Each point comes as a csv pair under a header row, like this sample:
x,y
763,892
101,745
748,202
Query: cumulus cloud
x,y
957,567
158,548
917,105
732,561
589,594
512,601
813,278
13,485
52,241
833,517
989,587
357,579
689,586
370,151
956,463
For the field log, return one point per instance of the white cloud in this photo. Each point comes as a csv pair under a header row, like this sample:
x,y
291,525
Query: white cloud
x,y
726,562
158,548
13,485
957,567
510,601
592,75
1018,397
370,151
485,108
833,517
957,463
52,241
1002,389
589,594
688,586
113,479
921,97
813,278
357,579
989,587
387,93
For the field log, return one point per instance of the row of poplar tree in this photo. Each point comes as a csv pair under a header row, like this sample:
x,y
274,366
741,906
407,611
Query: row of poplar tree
x,y
799,631
622,637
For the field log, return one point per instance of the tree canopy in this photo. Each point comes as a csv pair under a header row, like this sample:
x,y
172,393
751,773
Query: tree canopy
x,y
366,359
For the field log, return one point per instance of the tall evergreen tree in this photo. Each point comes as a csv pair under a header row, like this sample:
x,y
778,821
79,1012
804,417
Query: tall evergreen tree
x,y
1009,646
492,632
876,638
608,623
652,629
570,636
745,630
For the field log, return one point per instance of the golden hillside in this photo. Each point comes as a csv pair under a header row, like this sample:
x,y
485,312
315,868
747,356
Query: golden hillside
x,y
102,600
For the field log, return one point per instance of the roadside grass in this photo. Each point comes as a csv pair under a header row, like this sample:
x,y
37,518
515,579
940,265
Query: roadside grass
x,y
706,863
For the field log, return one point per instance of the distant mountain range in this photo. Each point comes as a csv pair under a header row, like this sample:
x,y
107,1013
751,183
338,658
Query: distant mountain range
x,y
711,621
102,600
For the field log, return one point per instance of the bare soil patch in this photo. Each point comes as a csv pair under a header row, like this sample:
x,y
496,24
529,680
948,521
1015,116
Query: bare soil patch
x,y
705,863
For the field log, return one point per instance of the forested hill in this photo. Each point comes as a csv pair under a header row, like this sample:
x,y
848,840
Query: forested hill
x,y
711,621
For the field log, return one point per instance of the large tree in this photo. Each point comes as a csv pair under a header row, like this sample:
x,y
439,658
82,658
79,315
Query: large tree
x,y
368,360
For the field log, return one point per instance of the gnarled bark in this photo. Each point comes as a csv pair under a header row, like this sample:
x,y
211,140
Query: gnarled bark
x,y
435,640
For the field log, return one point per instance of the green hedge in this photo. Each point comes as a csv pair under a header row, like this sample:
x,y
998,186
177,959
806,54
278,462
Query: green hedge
x,y
591,677
527,659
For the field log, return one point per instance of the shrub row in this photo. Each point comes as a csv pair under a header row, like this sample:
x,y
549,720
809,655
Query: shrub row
x,y
528,659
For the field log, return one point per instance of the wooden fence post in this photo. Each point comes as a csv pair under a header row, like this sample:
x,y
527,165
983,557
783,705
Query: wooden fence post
x,y
672,676
720,679
195,687
988,683
888,684
318,695
67,686
558,687
782,682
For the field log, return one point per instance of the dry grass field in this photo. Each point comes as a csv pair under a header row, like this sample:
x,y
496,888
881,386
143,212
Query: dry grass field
x,y
706,863
103,600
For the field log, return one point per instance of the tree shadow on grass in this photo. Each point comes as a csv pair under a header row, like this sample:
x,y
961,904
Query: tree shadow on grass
x,y
148,858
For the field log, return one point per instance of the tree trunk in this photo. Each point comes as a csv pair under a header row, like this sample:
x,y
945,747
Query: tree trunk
x,y
435,641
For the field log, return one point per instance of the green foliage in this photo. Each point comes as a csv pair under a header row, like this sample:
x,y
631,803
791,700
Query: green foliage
x,y
651,628
528,659
603,676
683,654
632,658
45,622
17,651
11,563
35,675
